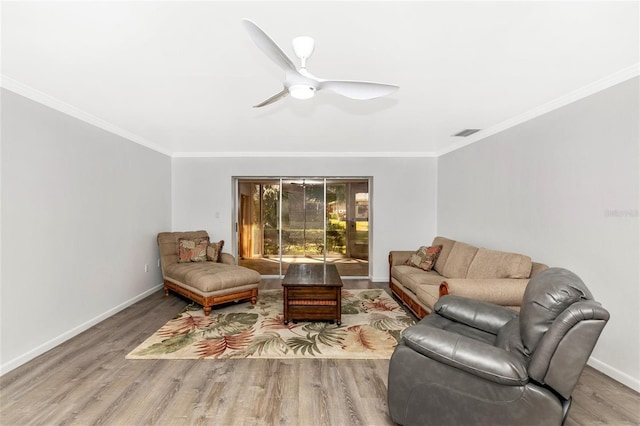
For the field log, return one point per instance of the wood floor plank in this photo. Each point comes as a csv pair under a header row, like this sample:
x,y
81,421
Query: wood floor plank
x,y
346,390
87,380
370,383
595,402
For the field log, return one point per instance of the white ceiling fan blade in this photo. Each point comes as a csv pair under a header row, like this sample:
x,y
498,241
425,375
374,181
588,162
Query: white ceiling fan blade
x,y
268,46
273,98
358,89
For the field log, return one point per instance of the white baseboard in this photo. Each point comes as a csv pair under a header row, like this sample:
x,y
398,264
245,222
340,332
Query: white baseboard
x,y
22,359
615,374
380,279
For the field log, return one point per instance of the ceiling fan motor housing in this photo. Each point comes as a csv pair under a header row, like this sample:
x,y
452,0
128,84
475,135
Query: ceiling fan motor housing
x,y
303,47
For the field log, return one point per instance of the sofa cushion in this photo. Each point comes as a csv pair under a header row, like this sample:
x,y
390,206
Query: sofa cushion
x,y
399,272
499,264
192,250
428,295
214,250
425,257
447,245
410,277
211,276
413,281
459,260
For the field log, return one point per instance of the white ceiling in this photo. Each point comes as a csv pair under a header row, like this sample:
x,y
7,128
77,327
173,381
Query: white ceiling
x,y
182,76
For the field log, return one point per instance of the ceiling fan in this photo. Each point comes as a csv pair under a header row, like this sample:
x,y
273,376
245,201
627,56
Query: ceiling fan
x,y
299,83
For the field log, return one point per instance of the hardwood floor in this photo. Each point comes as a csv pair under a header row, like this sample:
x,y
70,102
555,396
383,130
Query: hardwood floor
x,y
87,381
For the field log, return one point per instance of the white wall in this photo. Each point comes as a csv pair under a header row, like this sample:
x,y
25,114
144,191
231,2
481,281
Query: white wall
x,y
562,188
81,208
403,196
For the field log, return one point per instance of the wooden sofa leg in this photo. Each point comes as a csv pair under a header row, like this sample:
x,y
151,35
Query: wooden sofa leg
x,y
207,310
166,290
254,299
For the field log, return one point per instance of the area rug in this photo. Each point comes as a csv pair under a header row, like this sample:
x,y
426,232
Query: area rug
x,y
372,323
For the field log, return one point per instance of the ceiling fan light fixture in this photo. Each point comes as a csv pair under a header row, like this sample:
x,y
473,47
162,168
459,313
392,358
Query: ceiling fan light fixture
x,y
302,91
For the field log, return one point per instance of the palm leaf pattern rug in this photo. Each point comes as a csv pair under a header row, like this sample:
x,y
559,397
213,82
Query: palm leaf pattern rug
x,y
372,323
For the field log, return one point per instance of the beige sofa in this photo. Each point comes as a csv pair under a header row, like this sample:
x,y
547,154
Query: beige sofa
x,y
464,270
208,283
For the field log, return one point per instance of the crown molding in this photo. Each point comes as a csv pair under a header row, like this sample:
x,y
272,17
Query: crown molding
x,y
588,90
54,103
303,154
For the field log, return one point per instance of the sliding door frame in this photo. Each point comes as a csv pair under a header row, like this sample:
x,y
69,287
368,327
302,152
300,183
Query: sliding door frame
x,y
236,180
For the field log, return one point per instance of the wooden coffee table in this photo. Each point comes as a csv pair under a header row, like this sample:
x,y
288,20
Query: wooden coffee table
x,y
312,292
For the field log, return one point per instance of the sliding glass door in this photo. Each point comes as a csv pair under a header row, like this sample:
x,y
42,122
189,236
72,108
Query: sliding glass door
x,y
358,220
303,220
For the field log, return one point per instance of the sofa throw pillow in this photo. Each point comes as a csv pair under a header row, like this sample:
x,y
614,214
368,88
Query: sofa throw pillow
x,y
192,250
214,250
425,257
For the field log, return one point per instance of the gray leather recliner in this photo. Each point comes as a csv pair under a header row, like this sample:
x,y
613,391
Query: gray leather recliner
x,y
471,362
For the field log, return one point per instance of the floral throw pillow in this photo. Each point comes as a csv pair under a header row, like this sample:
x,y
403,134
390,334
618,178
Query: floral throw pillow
x,y
425,257
192,250
214,250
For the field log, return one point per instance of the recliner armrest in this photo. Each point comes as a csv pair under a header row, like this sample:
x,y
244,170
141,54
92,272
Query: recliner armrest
x,y
474,357
475,313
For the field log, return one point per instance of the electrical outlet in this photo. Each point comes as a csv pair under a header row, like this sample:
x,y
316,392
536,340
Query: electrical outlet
x,y
158,263
146,267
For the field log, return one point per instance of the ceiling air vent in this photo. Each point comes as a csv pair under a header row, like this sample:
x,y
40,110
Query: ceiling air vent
x,y
467,132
